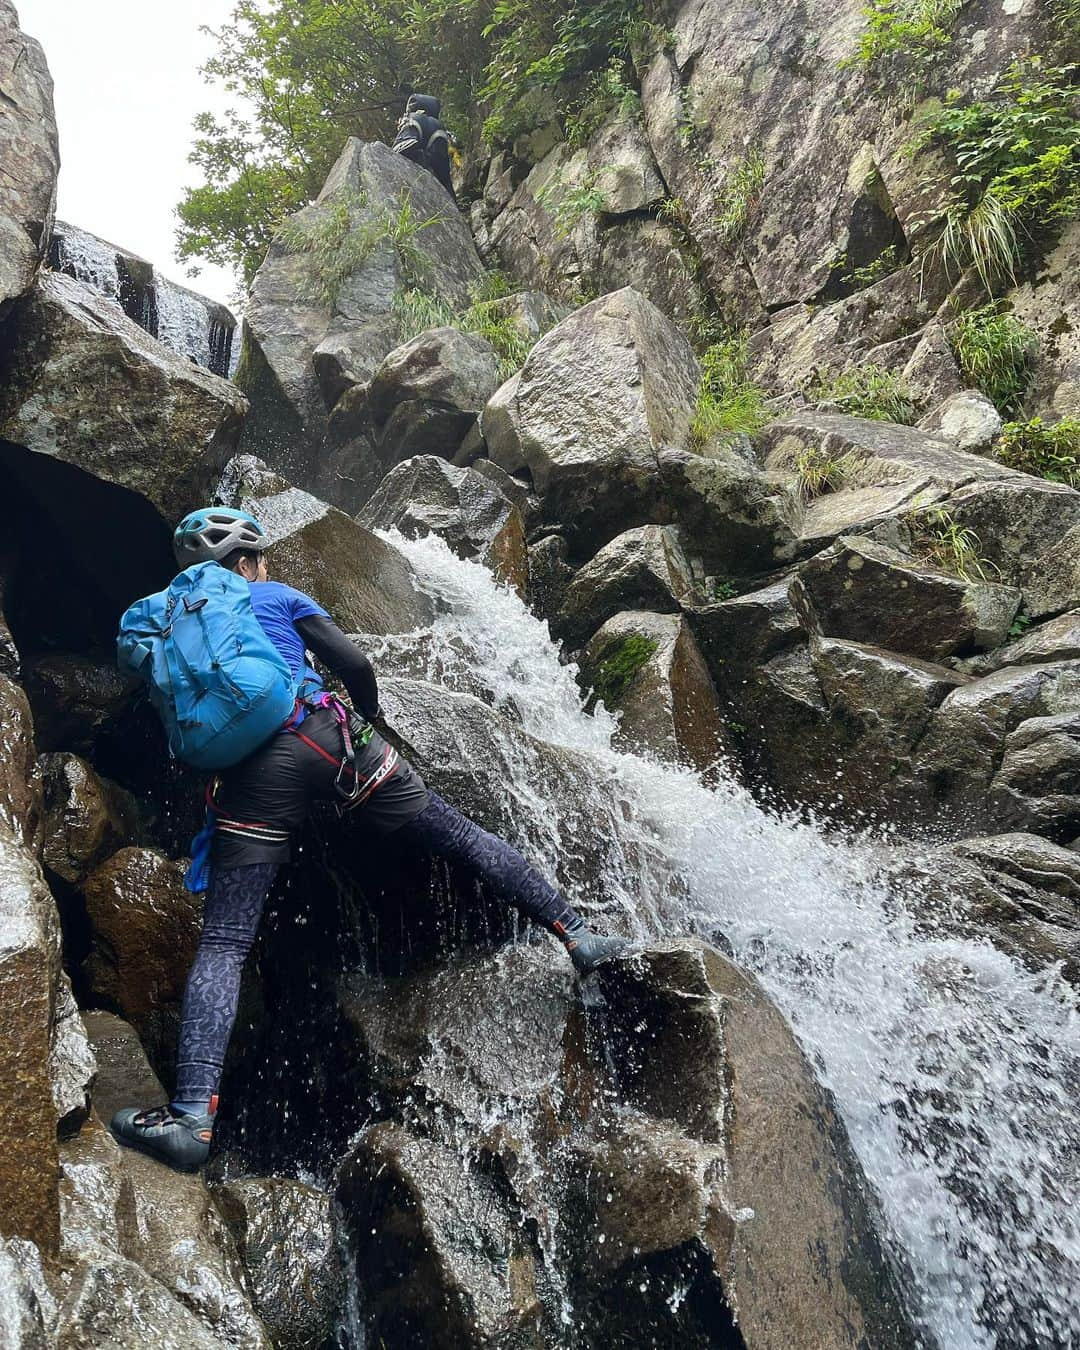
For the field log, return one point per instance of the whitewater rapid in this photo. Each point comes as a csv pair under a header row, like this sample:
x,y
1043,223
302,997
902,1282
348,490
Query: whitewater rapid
x,y
954,1068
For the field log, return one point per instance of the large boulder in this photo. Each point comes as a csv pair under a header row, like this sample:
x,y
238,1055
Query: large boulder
x,y
111,1301
1046,302
643,568
467,508
302,351
1001,751
730,516
867,592
75,700
1020,890
698,1154
87,818
144,928
648,668
1037,784
1027,531
83,384
879,707
1055,640
29,154
442,1260
426,395
968,419
135,1224
366,585
28,1303
597,400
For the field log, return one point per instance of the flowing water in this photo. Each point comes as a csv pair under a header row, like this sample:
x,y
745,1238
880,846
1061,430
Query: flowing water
x,y
182,320
955,1069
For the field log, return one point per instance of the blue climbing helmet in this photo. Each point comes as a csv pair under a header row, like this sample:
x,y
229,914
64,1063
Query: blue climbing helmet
x,y
213,532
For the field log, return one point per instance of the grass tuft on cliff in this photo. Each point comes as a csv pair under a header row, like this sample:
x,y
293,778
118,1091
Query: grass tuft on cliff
x,y
994,351
417,310
866,391
728,400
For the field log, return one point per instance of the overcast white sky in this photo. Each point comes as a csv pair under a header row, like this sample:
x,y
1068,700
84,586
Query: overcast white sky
x,y
127,88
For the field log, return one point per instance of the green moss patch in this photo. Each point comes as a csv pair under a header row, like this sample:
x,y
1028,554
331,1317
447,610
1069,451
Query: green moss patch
x,y
620,664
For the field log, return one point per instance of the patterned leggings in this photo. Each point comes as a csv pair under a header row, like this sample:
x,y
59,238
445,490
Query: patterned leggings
x,y
234,906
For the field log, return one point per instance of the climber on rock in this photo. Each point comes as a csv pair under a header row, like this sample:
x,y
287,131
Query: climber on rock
x,y
422,138
324,752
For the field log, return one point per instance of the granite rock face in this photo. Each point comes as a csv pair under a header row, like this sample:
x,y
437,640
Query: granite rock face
x,y
426,395
595,402
648,668
304,351
46,1068
29,154
364,583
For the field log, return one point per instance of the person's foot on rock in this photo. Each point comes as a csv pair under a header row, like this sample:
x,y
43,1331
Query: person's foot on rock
x,y
589,950
173,1137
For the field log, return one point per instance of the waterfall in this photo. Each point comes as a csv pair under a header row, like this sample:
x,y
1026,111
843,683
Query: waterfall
x,y
187,323
954,1068
87,258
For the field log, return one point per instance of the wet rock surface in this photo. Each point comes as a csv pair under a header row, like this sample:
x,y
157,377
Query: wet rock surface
x,y
648,668
20,785
644,568
86,817
658,1179
648,1157
286,1239
366,585
144,928
467,508
27,959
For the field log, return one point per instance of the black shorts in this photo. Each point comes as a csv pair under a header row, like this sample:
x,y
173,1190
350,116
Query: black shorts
x,y
263,799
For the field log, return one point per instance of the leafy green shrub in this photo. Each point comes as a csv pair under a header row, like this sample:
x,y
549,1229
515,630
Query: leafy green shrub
x,y
741,194
941,540
727,399
904,27
608,91
534,47
1047,450
993,351
1018,165
866,391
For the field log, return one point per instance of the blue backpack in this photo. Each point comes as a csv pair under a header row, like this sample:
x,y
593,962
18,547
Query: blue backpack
x,y
219,684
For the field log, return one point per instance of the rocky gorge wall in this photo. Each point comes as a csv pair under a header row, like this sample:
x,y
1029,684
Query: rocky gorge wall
x,y
827,1101
755,169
